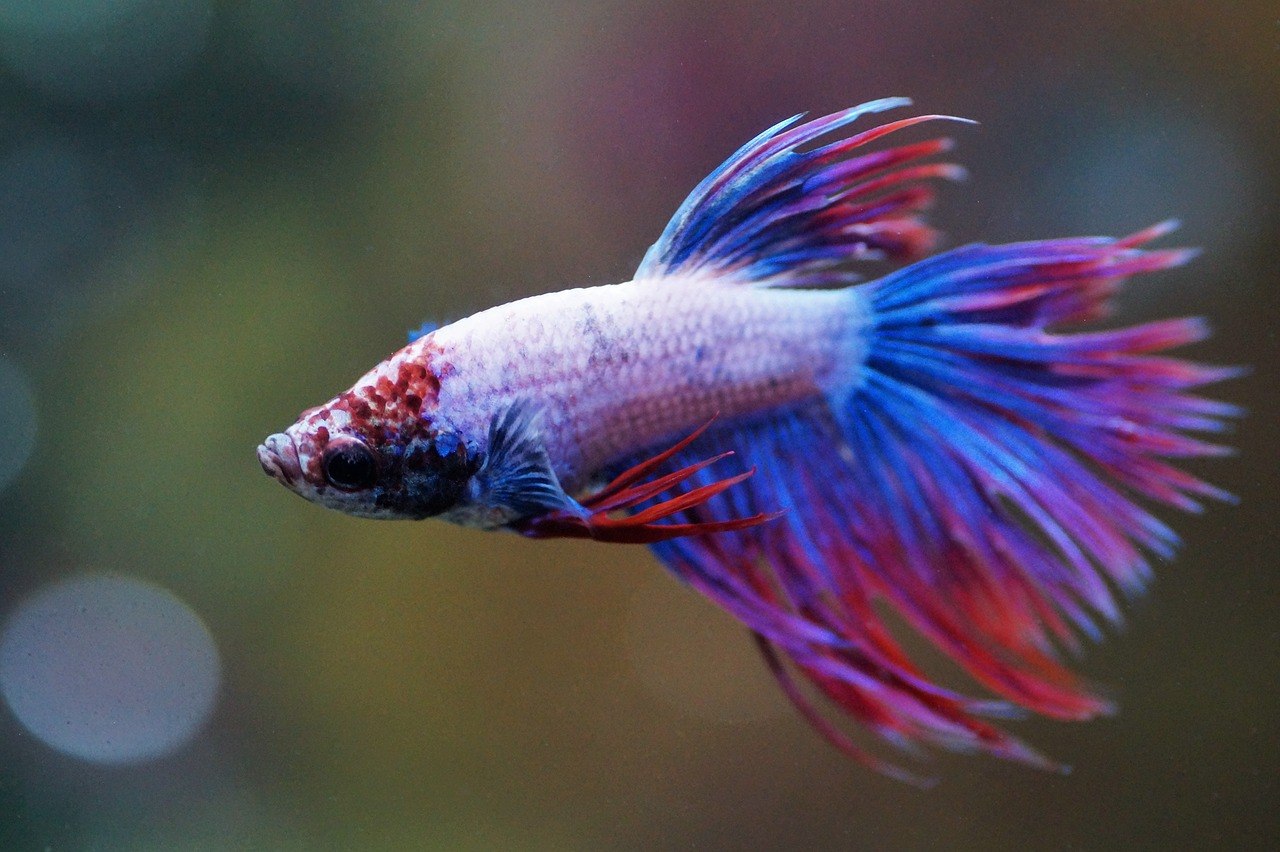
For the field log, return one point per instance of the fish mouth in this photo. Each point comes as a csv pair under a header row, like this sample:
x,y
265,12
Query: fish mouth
x,y
279,459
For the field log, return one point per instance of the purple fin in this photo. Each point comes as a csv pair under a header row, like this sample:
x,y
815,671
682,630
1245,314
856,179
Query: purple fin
x,y
986,479
805,585
772,209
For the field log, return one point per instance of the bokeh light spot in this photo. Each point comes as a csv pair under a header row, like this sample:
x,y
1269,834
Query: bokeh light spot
x,y
108,669
17,421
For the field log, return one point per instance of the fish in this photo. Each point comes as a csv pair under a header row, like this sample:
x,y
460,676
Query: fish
x,y
813,418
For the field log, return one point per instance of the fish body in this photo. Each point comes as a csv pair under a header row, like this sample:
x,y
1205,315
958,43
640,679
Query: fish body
x,y
619,368
798,442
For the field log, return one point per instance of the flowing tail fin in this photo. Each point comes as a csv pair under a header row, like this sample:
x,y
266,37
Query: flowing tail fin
x,y
985,471
985,476
1007,456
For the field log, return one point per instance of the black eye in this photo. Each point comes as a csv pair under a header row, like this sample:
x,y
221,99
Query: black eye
x,y
349,464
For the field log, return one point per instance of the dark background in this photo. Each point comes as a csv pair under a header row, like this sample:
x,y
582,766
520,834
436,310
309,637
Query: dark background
x,y
213,215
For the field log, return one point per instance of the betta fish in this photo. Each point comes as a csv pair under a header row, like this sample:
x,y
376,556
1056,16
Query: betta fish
x,y
808,445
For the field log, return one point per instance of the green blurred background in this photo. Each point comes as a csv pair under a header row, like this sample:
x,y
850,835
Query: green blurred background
x,y
215,214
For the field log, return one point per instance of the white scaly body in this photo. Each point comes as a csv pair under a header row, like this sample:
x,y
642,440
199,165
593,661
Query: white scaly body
x,y
621,367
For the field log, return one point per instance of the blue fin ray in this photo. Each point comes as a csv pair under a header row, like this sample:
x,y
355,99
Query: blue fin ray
x,y
774,213
423,330
816,567
985,477
516,475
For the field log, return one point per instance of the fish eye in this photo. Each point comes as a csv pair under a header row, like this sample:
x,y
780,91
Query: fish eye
x,y
349,464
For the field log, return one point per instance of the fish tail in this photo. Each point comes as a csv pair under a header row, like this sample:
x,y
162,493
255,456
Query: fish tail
x,y
972,352
1001,461
988,475
982,467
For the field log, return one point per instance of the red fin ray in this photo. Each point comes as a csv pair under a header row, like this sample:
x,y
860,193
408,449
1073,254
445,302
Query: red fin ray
x,y
594,518
866,673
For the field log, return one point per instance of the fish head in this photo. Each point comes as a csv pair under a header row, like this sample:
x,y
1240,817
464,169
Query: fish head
x,y
376,450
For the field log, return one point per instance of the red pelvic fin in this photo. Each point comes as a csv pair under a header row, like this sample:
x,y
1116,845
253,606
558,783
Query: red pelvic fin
x,y
628,490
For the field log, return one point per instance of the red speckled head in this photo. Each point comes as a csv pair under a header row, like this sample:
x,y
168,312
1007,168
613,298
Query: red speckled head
x,y
374,450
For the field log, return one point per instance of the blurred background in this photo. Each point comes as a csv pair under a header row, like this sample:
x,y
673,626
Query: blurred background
x,y
215,214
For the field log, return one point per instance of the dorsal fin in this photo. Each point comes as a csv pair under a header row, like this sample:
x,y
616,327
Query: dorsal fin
x,y
798,218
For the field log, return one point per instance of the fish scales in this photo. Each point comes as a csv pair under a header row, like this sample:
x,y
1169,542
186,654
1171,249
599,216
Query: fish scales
x,y
626,365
